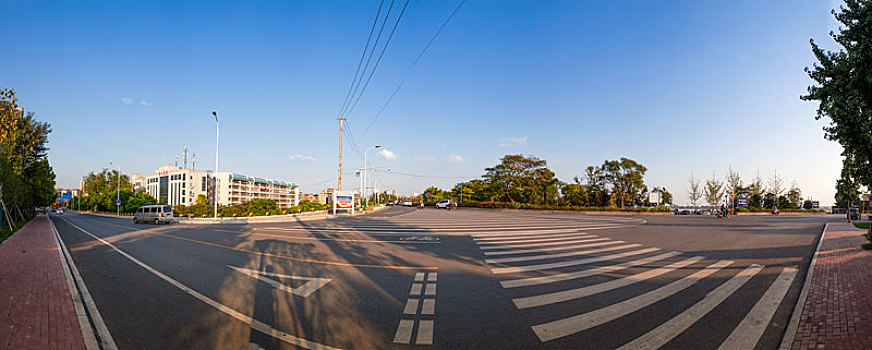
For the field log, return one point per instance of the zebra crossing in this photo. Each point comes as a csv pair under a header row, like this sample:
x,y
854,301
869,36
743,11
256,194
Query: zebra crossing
x,y
548,270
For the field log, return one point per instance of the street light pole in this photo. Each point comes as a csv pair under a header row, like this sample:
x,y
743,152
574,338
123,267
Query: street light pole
x,y
215,183
364,172
117,191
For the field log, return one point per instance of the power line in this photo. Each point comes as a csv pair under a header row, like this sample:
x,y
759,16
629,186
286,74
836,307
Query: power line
x,y
388,42
437,33
356,84
362,55
432,39
425,176
382,109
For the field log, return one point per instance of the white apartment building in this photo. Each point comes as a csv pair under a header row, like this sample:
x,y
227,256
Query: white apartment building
x,y
180,186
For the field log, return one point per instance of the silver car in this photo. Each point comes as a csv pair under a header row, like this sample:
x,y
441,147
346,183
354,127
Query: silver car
x,y
157,214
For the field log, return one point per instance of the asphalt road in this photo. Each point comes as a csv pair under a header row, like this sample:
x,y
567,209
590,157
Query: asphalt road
x,y
464,279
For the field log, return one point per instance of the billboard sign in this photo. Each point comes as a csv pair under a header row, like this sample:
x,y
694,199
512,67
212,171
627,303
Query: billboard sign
x,y
742,201
343,201
815,204
65,197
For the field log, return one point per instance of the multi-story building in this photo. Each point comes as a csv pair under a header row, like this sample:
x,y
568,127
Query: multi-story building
x,y
137,182
323,197
180,186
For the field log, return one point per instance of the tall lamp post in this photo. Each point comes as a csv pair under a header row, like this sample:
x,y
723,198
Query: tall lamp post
x,y
117,191
364,173
215,184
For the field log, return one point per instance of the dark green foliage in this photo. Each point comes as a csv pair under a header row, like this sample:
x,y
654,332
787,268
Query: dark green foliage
x,y
844,92
26,177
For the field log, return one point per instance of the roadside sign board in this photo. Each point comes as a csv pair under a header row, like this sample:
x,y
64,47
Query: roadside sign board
x,y
815,204
343,201
118,201
427,194
742,201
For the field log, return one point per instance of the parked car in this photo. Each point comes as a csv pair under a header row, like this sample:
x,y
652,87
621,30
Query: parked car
x,y
157,214
444,204
407,204
390,203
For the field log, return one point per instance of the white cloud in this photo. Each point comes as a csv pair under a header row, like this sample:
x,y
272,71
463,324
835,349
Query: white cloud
x,y
424,159
513,141
455,158
126,100
387,155
301,157
144,103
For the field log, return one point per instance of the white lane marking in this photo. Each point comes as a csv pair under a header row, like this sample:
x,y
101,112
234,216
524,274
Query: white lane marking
x,y
578,293
305,290
574,324
672,328
536,242
411,307
551,249
531,234
431,289
561,255
425,332
513,269
431,277
416,289
524,282
747,334
255,324
76,285
404,332
419,277
428,307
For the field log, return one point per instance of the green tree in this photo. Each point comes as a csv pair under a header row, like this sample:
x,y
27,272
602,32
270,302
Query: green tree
x,y
807,204
200,200
713,191
756,192
515,178
575,194
694,192
626,177
844,88
794,196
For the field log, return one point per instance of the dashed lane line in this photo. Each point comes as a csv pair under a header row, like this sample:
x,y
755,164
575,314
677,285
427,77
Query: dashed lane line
x,y
747,334
578,293
255,324
532,281
421,316
574,324
513,269
562,255
678,324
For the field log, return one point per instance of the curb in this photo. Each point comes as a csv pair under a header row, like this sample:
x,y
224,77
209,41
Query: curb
x,y
793,324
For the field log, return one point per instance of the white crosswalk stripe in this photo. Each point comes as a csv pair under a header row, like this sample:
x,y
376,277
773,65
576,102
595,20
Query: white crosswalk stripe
x,y
571,325
748,332
556,255
553,249
513,269
532,281
525,237
578,293
521,243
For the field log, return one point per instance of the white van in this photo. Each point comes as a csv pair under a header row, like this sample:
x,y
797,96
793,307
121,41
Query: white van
x,y
156,214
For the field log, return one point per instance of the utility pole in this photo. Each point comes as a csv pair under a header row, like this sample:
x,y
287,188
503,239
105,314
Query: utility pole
x,y
339,182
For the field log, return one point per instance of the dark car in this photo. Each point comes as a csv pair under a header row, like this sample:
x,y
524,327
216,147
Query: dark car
x,y
853,214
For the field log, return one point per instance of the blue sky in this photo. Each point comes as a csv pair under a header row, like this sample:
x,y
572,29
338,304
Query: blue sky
x,y
680,86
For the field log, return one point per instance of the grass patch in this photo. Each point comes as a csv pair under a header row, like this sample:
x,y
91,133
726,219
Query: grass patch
x,y
5,233
862,224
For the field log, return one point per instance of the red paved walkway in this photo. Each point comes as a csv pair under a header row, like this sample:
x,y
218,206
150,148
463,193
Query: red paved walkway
x,y
838,311
36,310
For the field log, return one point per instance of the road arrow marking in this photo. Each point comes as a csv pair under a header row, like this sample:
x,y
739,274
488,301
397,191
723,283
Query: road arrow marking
x,y
303,291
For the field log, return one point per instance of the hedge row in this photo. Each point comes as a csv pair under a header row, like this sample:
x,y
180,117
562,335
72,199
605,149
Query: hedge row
x,y
504,205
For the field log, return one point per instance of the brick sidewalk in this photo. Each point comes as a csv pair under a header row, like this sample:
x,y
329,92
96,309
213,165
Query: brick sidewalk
x,y
36,310
837,313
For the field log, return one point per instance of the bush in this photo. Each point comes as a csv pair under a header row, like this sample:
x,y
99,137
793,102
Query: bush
x,y
516,205
743,210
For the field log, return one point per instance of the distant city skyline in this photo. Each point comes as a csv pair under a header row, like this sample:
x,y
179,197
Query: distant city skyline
x,y
679,87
